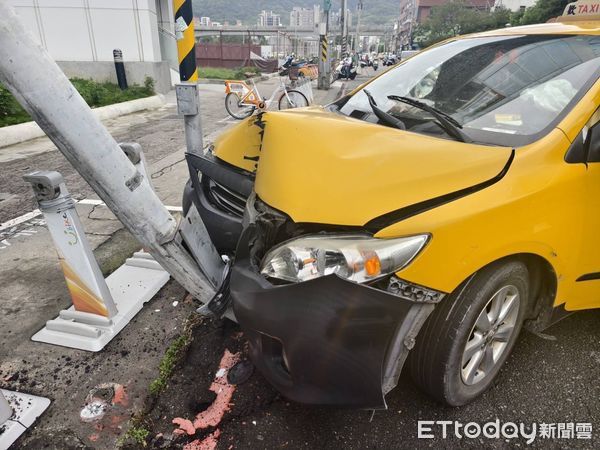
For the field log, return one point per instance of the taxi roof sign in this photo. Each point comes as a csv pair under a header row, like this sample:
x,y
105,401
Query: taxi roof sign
x,y
581,10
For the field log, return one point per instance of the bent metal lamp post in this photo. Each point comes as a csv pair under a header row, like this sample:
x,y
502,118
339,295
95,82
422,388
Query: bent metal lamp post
x,y
44,91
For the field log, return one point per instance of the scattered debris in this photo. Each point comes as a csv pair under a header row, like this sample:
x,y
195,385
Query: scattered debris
x,y
175,303
93,411
546,337
241,372
211,416
100,399
208,443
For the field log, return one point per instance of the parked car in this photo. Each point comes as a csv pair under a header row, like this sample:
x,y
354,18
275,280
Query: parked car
x,y
425,217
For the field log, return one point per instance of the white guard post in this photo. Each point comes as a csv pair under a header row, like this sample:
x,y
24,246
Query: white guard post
x,y
101,308
18,411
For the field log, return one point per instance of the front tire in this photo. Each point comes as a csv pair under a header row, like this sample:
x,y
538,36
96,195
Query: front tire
x,y
469,336
235,109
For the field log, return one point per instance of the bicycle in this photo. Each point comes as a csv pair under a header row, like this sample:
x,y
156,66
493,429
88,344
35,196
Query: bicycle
x,y
241,101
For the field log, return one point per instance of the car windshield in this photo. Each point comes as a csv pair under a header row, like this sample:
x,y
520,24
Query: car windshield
x,y
502,90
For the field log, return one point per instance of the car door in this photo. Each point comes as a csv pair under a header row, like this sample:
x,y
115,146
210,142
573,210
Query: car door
x,y
587,282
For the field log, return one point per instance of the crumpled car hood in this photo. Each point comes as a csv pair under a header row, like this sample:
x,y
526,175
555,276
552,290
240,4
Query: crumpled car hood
x,y
321,167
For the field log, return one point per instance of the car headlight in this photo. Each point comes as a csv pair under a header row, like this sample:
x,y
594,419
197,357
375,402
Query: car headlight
x,y
353,257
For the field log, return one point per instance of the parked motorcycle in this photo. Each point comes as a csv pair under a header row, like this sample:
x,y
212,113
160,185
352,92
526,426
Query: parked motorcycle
x,y
346,69
375,65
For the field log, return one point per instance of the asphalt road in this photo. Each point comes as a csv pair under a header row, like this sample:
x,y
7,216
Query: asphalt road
x,y
545,381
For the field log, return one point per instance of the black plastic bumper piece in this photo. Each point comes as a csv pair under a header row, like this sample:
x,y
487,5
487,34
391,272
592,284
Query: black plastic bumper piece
x,y
324,341
223,225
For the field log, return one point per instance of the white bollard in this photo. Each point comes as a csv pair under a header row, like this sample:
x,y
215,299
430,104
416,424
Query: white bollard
x,y
85,281
101,308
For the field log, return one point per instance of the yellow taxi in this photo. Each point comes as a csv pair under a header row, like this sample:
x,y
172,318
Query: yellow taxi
x,y
424,218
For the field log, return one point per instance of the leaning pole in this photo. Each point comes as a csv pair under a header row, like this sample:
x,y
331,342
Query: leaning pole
x,y
47,95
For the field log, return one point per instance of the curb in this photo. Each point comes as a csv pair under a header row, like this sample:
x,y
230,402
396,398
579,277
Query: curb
x,y
14,134
255,79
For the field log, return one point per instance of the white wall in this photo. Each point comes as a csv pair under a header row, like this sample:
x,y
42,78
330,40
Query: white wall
x,y
89,30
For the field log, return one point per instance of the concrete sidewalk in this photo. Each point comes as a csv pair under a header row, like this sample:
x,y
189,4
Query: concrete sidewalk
x,y
22,132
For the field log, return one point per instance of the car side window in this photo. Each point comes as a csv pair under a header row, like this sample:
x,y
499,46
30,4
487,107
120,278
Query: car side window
x,y
593,143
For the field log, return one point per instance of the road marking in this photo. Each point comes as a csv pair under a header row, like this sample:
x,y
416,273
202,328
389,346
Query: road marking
x,y
94,202
19,220
86,201
228,119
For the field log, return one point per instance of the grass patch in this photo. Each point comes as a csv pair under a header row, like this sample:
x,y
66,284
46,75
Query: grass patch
x,y
173,355
167,364
94,93
137,434
221,73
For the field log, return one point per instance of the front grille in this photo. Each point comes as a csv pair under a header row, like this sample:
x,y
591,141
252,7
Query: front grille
x,y
225,199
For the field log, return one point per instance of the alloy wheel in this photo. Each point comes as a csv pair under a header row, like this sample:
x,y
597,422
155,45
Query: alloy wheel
x,y
490,335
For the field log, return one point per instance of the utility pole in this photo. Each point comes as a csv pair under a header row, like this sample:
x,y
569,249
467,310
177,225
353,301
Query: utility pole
x,y
359,8
186,41
344,27
324,59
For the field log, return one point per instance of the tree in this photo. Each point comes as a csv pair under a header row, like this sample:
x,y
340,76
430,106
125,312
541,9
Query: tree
x,y
543,10
457,17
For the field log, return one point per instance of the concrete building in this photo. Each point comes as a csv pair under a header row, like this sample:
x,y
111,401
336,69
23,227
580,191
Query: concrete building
x,y
269,19
82,34
514,5
204,22
305,18
336,16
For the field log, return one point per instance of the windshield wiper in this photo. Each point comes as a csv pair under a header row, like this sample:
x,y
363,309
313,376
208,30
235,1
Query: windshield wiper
x,y
447,122
386,118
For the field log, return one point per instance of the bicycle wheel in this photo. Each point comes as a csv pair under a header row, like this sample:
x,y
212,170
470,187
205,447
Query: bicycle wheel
x,y
235,109
296,100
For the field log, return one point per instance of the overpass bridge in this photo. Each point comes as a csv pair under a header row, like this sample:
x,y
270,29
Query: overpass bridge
x,y
365,30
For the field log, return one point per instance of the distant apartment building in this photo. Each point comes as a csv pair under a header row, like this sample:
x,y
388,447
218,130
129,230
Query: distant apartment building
x,y
305,18
205,22
269,19
335,18
514,5
413,12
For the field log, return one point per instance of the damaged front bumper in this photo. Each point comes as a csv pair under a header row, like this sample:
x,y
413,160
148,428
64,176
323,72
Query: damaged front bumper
x,y
326,341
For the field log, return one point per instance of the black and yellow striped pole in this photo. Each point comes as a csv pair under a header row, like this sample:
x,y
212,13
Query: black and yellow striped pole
x,y
188,96
323,80
324,45
186,41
